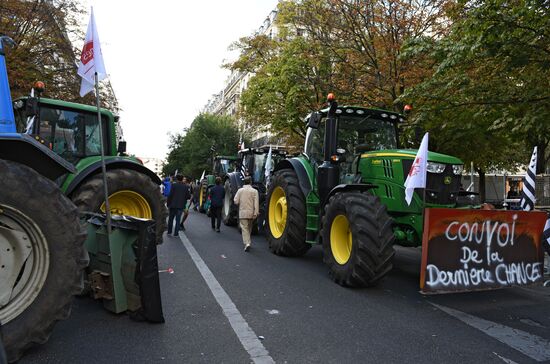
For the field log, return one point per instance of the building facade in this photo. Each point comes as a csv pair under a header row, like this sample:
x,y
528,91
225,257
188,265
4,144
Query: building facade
x,y
227,101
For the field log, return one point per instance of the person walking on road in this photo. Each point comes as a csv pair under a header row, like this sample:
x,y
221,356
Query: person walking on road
x,y
177,200
186,208
248,200
217,194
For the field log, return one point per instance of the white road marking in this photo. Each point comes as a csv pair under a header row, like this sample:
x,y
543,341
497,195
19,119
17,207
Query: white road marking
x,y
506,360
533,346
246,335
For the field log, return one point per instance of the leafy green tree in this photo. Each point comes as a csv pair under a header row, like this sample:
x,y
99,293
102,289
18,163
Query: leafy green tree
x,y
488,95
191,152
350,48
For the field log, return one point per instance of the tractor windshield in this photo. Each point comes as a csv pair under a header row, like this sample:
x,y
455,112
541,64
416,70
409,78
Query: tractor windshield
x,y
69,133
223,166
357,135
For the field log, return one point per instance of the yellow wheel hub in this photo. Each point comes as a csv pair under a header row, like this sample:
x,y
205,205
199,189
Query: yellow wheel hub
x,y
129,203
277,212
341,239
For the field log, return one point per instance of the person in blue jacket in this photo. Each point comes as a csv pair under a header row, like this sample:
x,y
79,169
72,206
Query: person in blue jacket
x,y
167,185
217,194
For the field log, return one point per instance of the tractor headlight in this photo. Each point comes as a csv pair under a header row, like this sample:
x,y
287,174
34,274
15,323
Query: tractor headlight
x,y
433,167
457,169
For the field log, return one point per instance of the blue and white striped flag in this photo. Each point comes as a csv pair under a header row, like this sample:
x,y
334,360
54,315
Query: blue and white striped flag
x,y
528,198
528,194
243,164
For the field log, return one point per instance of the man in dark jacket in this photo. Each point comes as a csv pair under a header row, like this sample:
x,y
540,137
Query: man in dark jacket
x,y
177,199
217,194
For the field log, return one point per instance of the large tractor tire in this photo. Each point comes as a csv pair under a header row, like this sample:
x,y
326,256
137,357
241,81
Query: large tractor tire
x,y
41,239
286,215
357,239
230,211
130,193
203,195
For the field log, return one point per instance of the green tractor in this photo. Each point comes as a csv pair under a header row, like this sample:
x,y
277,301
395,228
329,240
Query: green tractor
x,y
71,131
221,166
346,191
252,162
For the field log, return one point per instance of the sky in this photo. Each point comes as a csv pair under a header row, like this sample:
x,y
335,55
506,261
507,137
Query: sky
x,y
164,59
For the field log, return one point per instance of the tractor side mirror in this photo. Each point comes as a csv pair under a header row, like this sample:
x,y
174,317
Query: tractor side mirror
x,y
314,120
31,107
121,147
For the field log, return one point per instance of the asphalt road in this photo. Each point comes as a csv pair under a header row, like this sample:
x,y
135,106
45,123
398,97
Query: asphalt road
x,y
300,314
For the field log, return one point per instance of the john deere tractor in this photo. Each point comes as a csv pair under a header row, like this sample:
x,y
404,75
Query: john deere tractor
x,y
221,166
346,191
72,131
251,162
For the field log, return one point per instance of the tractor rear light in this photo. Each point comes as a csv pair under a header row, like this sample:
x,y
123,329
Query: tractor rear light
x,y
433,167
457,169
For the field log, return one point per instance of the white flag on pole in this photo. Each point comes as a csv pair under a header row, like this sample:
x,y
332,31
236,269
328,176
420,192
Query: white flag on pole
x,y
91,59
202,176
268,166
417,173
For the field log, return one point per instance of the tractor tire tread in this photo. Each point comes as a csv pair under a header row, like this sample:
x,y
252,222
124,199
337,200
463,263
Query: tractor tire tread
x,y
292,243
89,195
372,251
42,200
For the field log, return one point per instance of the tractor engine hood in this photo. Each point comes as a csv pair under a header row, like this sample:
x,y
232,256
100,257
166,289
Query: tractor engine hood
x,y
411,153
389,169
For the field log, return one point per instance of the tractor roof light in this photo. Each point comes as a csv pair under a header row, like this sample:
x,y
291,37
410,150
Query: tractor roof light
x,y
39,86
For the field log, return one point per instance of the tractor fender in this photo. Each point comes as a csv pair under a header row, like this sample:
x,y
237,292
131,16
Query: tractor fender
x,y
24,149
111,163
348,188
235,180
304,180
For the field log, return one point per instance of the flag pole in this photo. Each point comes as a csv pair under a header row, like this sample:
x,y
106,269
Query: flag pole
x,y
103,168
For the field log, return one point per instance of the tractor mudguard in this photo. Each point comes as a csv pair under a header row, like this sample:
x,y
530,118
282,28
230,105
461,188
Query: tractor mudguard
x,y
235,180
304,179
24,149
110,163
348,187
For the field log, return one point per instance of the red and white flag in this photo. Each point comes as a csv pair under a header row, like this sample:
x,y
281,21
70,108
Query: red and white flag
x,y
91,59
417,173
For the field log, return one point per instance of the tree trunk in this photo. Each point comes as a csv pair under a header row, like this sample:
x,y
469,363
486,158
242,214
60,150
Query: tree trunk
x,y
541,160
481,174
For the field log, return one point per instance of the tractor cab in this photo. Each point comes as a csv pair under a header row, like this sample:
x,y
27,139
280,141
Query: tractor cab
x,y
358,130
223,165
69,130
254,161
